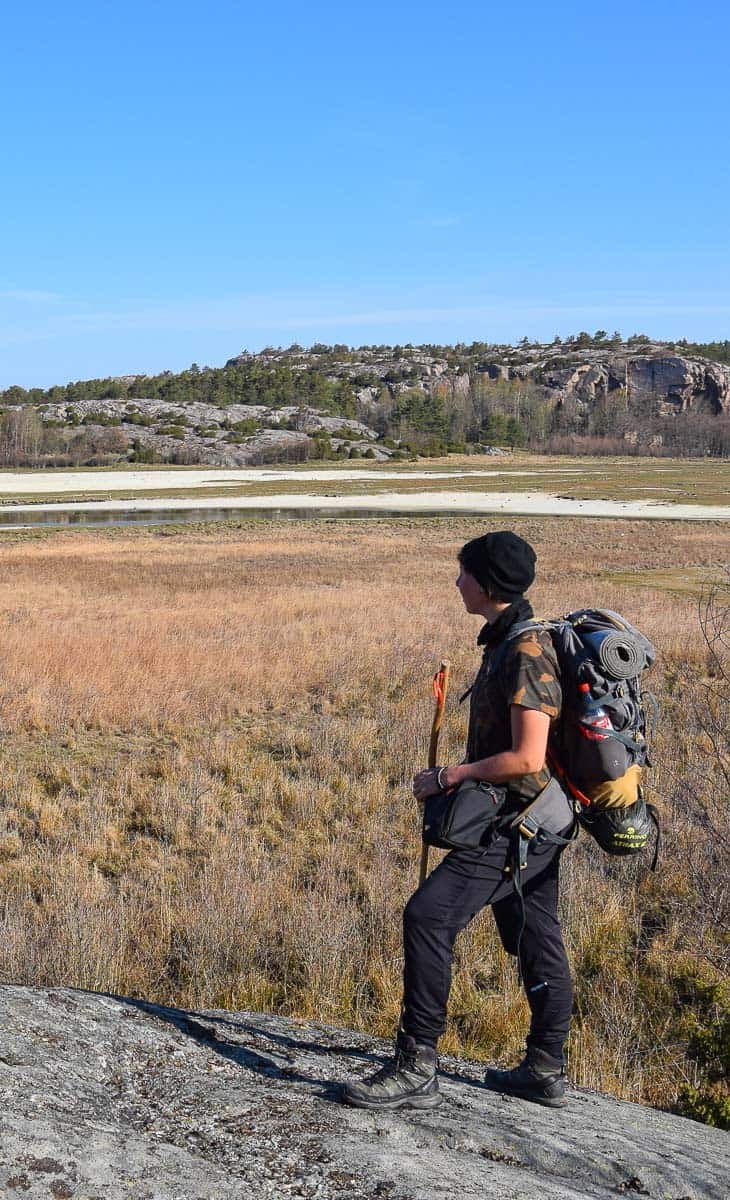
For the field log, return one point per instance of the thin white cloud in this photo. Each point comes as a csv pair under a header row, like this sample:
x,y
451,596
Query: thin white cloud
x,y
246,315
30,296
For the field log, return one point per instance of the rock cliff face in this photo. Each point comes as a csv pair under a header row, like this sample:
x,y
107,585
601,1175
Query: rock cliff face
x,y
670,383
680,383
106,1097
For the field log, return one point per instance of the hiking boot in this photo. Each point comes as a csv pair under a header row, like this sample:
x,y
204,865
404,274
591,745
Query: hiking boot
x,y
539,1077
409,1080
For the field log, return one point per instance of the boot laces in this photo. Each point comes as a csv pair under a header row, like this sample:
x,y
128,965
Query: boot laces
x,y
392,1068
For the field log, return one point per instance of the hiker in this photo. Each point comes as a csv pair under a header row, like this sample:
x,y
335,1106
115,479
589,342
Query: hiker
x,y
512,708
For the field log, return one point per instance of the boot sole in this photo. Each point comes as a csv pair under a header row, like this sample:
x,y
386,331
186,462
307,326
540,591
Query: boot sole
x,y
355,1101
547,1101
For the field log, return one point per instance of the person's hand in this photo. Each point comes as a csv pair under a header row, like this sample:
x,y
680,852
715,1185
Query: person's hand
x,y
426,783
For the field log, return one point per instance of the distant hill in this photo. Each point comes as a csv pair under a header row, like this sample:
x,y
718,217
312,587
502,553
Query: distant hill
x,y
587,394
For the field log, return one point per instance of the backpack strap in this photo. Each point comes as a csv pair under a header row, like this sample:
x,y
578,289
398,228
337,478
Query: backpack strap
x,y
497,656
621,737
521,627
650,702
520,841
652,811
511,636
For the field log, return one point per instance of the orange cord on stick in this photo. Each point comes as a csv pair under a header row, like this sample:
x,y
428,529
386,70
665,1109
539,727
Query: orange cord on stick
x,y
440,691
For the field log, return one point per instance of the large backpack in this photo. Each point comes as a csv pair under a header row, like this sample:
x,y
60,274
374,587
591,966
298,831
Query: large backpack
x,y
599,746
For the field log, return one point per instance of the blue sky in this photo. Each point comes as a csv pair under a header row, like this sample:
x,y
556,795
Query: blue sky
x,y
183,180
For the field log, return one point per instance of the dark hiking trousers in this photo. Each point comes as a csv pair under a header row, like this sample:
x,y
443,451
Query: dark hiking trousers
x,y
461,885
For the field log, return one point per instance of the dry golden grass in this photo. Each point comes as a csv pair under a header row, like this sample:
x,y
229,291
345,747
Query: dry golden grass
x,y
204,794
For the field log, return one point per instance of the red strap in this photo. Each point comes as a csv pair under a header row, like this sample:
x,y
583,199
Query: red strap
x,y
574,791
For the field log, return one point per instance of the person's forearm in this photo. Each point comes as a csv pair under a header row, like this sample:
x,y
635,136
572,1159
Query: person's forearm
x,y
498,768
526,756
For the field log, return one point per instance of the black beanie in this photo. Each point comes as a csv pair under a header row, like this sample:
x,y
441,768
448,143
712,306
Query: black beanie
x,y
503,563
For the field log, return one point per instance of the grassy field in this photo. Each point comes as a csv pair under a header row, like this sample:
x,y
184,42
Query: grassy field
x,y
686,481
209,734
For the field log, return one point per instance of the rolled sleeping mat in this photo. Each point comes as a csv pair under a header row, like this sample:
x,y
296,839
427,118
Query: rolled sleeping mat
x,y
620,655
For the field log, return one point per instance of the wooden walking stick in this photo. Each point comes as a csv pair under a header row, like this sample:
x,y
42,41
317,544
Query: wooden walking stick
x,y
440,688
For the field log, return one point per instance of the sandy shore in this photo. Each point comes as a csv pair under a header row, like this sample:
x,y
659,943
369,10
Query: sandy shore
x,y
518,503
104,485
40,483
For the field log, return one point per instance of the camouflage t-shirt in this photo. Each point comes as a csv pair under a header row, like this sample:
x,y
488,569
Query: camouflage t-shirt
x,y
525,674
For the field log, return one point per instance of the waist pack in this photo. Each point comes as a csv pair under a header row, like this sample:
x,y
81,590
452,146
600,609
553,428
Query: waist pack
x,y
464,817
550,817
599,746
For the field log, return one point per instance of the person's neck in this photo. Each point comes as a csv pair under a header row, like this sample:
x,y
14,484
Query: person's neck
x,y
506,616
492,610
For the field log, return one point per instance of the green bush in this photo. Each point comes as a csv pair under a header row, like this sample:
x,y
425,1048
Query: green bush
x,y
143,454
709,1046
139,418
250,425
100,418
172,418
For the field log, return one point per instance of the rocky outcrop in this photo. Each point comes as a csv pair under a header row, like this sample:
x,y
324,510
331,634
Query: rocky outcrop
x,y
496,371
662,383
232,436
679,384
667,382
587,383
106,1097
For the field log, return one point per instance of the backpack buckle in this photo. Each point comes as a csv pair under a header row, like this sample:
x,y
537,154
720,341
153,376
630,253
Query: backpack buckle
x,y
527,828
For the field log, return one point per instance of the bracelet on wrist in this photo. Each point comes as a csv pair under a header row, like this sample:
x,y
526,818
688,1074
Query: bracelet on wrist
x,y
439,778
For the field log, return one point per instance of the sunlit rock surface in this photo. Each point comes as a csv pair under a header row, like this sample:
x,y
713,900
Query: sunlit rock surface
x,y
105,1097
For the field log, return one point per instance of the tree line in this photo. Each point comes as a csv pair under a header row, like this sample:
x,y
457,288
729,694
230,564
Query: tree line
x,y
27,441
464,411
